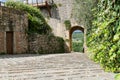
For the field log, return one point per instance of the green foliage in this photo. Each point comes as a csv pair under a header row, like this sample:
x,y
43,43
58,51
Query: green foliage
x,y
77,46
117,77
37,23
77,41
104,35
67,24
59,4
54,6
60,44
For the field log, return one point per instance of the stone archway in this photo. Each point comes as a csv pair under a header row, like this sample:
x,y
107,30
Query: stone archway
x,y
71,32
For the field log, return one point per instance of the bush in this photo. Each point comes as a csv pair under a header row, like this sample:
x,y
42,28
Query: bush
x,y
117,77
37,23
104,35
77,46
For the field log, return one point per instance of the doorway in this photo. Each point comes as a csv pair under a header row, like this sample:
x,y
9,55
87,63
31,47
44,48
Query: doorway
x,y
9,42
77,30
77,41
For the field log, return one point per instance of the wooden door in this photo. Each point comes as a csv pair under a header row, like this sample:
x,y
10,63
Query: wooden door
x,y
9,42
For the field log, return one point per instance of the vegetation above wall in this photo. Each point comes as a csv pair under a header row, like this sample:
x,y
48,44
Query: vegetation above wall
x,y
104,35
37,23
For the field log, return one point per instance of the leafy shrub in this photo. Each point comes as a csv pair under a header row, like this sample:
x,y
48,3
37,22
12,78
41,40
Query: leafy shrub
x,y
67,24
104,35
117,77
77,46
61,44
37,23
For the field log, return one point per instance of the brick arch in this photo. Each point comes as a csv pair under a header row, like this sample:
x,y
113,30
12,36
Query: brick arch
x,y
71,32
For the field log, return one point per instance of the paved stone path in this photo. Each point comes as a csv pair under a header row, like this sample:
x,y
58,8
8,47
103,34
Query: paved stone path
x,y
71,66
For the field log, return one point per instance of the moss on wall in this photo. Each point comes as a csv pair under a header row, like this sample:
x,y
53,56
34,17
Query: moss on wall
x,y
45,44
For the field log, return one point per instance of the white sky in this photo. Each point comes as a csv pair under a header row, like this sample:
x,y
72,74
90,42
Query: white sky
x,y
77,31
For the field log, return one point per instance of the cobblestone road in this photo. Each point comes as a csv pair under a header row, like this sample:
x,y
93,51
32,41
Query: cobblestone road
x,y
71,66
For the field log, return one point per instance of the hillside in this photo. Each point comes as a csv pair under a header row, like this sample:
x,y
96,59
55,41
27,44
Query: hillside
x,y
77,41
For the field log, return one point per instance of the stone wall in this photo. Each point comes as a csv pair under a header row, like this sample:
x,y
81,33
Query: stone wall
x,y
2,43
45,44
59,15
56,21
15,21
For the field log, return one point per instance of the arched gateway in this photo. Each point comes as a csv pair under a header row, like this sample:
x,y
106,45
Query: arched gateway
x,y
71,32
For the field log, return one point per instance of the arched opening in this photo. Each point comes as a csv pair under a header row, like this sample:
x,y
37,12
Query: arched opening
x,y
79,31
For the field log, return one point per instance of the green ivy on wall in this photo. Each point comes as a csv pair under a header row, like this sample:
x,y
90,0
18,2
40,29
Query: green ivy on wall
x,y
36,22
67,24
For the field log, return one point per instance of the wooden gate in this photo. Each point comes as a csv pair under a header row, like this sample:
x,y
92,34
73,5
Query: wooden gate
x,y
9,42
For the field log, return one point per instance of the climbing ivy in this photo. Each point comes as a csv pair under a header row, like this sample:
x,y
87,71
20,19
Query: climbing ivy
x,y
104,34
36,21
67,24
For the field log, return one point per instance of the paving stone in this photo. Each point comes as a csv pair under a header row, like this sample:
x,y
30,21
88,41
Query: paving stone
x,y
69,66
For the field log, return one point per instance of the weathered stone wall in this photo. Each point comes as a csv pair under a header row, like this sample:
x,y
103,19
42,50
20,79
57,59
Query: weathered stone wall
x,y
21,42
2,42
46,44
15,21
41,43
59,15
